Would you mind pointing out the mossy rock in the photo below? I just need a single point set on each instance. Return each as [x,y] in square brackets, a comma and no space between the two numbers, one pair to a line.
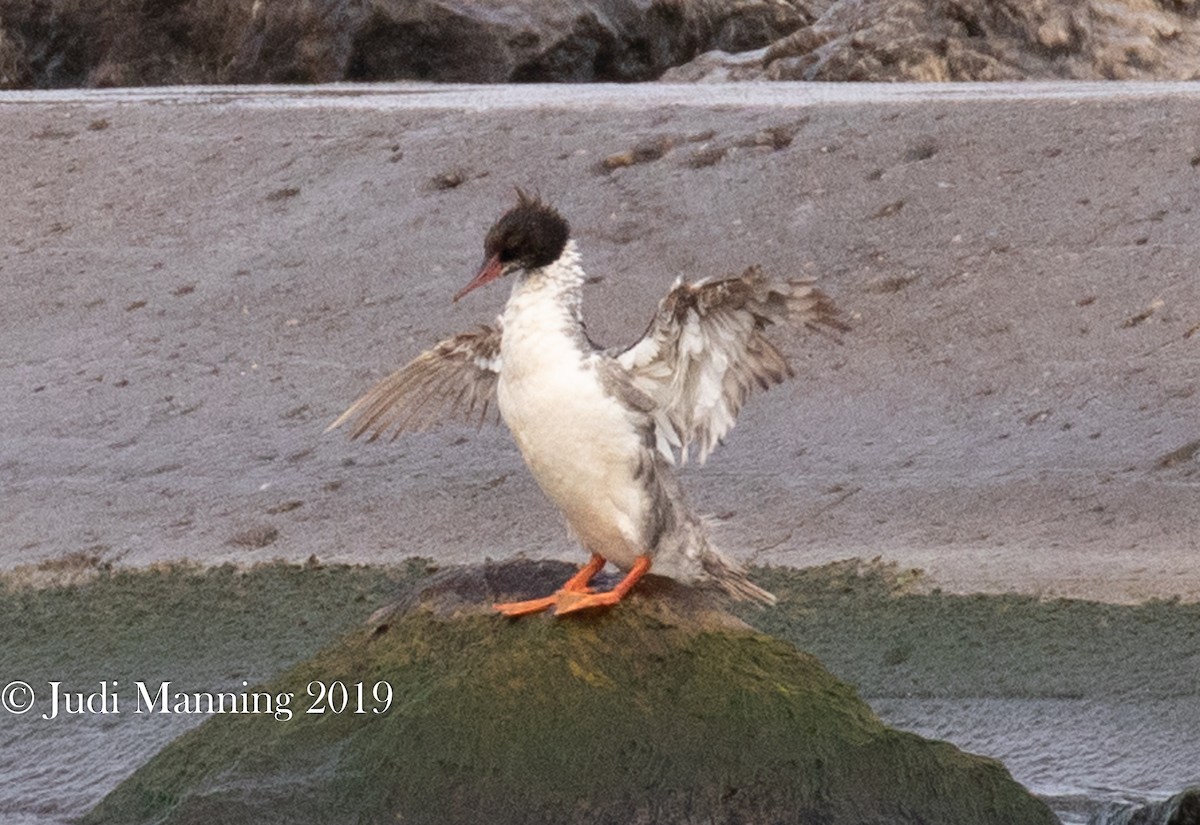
[663,709]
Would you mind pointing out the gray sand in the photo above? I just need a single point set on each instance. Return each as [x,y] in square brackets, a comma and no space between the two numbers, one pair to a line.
[196,282]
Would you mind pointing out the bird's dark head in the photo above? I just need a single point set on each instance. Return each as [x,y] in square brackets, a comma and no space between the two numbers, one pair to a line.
[530,235]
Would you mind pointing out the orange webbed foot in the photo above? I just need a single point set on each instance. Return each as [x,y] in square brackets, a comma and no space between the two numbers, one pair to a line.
[570,602]
[576,584]
[575,594]
[525,608]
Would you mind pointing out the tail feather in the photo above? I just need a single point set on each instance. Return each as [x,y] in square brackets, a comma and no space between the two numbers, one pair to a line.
[731,577]
[685,552]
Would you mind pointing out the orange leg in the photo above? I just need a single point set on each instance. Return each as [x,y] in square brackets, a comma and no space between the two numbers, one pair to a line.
[570,601]
[576,584]
[580,581]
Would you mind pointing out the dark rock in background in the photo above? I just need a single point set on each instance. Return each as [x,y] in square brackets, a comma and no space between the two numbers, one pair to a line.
[872,40]
[58,43]
[66,43]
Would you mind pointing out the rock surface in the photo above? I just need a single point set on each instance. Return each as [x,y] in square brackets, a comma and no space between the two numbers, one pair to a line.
[888,40]
[1181,809]
[60,44]
[665,709]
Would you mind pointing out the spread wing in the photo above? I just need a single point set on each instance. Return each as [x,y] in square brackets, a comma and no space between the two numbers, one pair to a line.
[706,349]
[455,378]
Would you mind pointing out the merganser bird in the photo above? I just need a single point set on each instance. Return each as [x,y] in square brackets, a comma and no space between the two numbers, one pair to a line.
[599,428]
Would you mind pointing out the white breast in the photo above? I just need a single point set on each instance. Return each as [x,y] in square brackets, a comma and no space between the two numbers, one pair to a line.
[580,443]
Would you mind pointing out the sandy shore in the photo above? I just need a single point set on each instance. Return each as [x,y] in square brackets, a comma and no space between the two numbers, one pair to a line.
[196,282]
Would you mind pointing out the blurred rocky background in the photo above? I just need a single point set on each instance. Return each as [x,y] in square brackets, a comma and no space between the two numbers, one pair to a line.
[96,43]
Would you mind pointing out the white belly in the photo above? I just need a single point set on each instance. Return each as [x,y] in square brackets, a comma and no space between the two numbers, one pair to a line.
[580,444]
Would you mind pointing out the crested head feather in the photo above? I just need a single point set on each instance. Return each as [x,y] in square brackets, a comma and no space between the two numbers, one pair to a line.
[530,235]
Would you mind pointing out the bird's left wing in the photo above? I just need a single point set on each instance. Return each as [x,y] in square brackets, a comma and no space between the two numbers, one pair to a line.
[457,378]
[706,349]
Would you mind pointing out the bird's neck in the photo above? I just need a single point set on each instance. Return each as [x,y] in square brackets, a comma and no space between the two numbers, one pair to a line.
[563,277]
[554,291]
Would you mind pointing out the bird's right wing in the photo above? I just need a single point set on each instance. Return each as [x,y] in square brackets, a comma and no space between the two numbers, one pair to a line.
[457,378]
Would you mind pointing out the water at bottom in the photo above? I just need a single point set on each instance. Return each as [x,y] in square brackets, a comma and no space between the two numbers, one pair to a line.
[55,771]
[1076,754]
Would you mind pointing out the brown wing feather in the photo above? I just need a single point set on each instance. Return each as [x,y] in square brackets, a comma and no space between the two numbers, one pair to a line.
[457,378]
[707,349]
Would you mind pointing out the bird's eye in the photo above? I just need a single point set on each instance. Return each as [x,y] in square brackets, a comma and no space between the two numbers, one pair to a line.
[508,249]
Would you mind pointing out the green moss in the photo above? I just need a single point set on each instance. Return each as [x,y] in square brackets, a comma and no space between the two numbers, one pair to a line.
[618,717]
[870,626]
[207,627]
